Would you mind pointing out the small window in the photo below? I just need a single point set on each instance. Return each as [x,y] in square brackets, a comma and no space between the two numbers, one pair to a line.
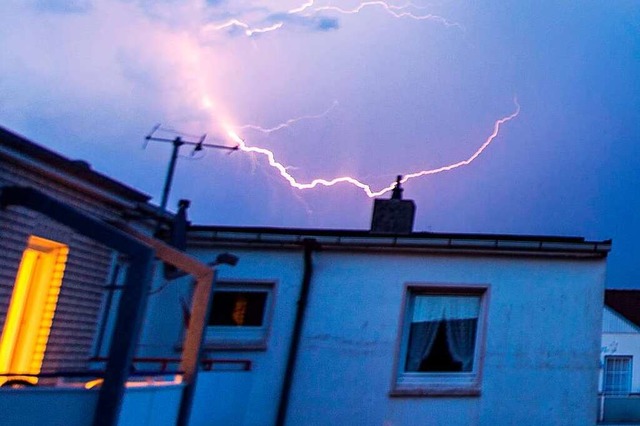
[240,316]
[617,375]
[440,341]
[238,308]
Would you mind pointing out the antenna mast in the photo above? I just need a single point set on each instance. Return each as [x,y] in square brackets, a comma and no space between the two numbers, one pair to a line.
[178,142]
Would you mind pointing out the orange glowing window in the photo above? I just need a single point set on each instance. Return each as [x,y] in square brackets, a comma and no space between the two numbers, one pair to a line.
[33,304]
[238,308]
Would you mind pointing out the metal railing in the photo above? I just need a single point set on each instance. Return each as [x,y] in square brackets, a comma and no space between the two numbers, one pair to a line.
[142,367]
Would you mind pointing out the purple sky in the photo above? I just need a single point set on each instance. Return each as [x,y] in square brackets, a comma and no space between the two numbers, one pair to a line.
[383,93]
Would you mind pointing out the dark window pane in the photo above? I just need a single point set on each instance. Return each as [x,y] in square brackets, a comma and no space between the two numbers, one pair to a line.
[451,349]
[238,308]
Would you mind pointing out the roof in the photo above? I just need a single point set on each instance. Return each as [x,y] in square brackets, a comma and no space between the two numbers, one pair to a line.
[625,303]
[74,168]
[416,241]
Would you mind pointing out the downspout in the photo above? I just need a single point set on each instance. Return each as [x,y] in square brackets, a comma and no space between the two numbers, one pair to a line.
[111,288]
[309,244]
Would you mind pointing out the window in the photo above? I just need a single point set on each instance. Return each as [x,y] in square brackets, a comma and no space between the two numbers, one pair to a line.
[32,306]
[240,315]
[238,308]
[617,375]
[440,342]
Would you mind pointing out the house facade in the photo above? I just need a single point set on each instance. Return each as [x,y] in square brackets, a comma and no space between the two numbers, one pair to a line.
[386,329]
[34,244]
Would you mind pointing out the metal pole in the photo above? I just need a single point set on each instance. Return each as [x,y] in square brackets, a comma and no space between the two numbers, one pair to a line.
[107,306]
[124,337]
[177,143]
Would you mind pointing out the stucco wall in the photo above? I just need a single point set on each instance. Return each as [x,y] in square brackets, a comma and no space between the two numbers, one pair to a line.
[541,345]
[540,359]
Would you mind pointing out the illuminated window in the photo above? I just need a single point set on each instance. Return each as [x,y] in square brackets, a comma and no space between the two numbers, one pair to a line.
[239,315]
[238,308]
[33,304]
[440,342]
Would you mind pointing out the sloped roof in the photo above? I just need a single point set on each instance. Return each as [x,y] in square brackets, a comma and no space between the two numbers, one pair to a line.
[75,168]
[625,303]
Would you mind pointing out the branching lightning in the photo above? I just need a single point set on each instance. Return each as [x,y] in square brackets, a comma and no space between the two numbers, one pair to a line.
[248,31]
[395,11]
[287,123]
[309,9]
[363,186]
[301,15]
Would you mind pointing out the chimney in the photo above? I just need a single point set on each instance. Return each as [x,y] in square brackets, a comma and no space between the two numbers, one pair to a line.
[178,236]
[393,216]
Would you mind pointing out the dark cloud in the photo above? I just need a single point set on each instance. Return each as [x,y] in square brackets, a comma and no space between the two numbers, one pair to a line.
[327,24]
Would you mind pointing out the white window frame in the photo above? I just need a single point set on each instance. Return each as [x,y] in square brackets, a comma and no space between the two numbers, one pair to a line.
[242,337]
[625,376]
[439,383]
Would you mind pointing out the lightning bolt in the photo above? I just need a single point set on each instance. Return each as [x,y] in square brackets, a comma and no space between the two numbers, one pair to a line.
[307,9]
[363,186]
[248,31]
[289,122]
[395,11]
[301,8]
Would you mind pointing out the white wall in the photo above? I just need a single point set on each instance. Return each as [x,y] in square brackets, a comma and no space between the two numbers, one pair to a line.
[259,390]
[542,342]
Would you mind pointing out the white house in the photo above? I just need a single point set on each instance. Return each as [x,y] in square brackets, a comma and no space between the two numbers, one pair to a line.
[382,326]
[396,329]
[619,384]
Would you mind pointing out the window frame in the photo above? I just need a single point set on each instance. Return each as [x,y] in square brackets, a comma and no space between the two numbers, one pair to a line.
[439,383]
[242,338]
[629,372]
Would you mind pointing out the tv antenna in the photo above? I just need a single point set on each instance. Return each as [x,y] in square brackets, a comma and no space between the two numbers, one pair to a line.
[178,141]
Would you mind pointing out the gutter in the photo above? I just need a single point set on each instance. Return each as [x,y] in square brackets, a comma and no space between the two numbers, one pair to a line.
[419,243]
[309,244]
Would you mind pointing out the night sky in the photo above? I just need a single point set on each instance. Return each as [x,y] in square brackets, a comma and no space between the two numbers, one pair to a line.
[367,89]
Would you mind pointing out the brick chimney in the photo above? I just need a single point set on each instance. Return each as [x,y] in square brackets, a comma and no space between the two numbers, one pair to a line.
[393,216]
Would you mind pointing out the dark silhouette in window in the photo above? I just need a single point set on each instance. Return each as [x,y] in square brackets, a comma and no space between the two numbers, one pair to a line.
[238,308]
[440,358]
[431,348]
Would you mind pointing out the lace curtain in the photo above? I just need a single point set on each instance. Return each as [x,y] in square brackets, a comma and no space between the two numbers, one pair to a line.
[460,314]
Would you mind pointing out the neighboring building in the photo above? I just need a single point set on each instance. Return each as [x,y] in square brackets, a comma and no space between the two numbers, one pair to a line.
[73,281]
[312,327]
[619,385]
[32,243]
